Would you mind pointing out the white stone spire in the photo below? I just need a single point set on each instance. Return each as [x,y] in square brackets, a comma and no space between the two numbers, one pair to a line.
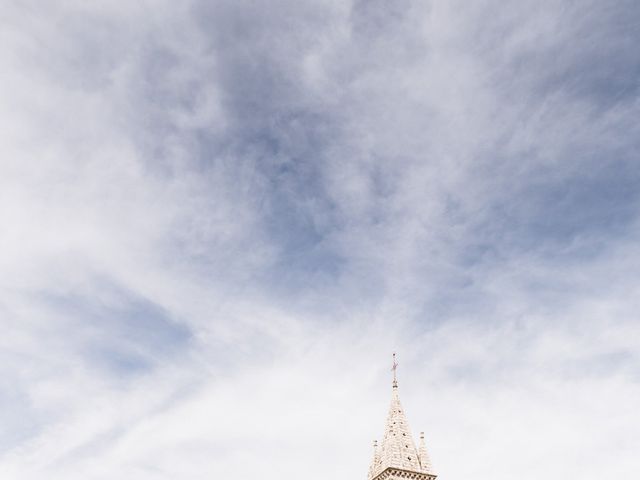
[376,458]
[397,453]
[423,456]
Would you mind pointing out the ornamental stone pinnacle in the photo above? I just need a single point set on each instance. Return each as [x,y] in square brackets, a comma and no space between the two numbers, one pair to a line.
[397,456]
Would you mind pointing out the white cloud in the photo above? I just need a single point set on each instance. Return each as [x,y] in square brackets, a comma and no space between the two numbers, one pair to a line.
[217,220]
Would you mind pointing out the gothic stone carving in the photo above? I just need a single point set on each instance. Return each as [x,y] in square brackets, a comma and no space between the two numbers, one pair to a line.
[396,474]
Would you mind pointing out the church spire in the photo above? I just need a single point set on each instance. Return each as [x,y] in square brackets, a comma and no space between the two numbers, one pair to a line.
[425,461]
[397,452]
[375,460]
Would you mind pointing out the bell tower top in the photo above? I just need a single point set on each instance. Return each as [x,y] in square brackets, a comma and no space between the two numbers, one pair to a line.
[397,457]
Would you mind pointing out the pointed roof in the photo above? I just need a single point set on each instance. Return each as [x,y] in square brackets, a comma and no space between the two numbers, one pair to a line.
[398,449]
[425,460]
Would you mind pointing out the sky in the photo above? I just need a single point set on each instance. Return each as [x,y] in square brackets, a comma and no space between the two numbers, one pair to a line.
[218,219]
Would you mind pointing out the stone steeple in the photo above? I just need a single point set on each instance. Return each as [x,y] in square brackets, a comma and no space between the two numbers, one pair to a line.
[397,456]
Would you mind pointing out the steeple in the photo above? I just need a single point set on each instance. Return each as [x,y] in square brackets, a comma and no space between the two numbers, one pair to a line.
[423,456]
[397,456]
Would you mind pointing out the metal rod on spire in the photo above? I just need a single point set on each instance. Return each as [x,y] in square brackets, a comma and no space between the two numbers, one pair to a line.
[394,368]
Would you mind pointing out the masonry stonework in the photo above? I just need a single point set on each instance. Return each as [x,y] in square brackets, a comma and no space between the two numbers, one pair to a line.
[397,457]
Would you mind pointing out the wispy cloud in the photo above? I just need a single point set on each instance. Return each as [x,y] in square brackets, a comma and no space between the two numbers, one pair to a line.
[219,218]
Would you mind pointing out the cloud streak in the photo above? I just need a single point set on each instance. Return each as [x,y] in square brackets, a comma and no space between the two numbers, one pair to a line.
[219,218]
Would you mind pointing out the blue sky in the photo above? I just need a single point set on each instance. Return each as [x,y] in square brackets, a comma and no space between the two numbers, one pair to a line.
[218,220]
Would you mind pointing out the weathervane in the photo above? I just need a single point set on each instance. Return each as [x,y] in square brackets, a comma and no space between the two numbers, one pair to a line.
[394,368]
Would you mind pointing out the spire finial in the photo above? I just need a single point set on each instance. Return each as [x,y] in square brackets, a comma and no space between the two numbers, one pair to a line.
[394,368]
